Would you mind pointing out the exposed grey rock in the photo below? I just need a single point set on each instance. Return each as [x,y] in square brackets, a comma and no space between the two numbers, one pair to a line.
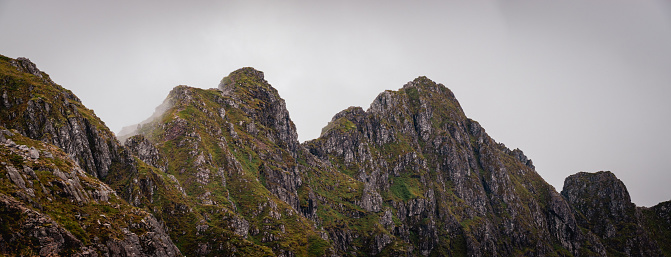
[33,153]
[156,241]
[452,154]
[47,154]
[25,65]
[240,226]
[146,151]
[15,177]
[425,179]
[3,140]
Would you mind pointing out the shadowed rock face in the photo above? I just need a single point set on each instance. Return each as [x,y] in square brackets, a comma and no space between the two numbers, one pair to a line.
[222,173]
[602,204]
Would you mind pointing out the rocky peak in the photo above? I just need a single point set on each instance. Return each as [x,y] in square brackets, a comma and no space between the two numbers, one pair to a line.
[25,65]
[51,207]
[223,170]
[604,207]
[349,113]
[595,191]
[254,95]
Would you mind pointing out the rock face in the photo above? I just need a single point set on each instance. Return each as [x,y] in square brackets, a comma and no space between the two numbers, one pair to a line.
[602,203]
[220,172]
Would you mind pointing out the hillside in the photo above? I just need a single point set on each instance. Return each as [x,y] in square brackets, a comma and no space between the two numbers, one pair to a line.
[220,172]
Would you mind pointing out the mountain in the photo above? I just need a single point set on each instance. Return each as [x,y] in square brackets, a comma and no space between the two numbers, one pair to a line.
[453,189]
[220,172]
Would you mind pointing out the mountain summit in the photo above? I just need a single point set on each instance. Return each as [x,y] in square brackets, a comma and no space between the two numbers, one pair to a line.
[258,99]
[220,172]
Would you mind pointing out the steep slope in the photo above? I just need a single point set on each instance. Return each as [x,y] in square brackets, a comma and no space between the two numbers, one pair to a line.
[50,206]
[449,187]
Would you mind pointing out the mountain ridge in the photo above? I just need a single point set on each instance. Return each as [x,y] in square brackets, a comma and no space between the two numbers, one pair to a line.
[411,175]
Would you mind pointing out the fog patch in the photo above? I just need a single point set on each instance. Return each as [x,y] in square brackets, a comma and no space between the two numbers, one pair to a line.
[132,130]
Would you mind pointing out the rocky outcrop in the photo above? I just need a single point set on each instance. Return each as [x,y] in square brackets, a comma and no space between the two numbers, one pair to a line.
[142,148]
[602,204]
[412,175]
[29,232]
[64,208]
[250,91]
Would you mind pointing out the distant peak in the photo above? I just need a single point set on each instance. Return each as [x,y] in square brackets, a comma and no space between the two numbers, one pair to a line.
[419,82]
[249,72]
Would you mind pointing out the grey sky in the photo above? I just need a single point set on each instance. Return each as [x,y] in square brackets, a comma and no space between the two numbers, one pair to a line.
[577,85]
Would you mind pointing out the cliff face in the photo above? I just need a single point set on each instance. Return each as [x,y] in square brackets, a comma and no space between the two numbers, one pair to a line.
[220,172]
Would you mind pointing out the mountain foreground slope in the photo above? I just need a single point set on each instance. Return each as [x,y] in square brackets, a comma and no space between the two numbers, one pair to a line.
[220,172]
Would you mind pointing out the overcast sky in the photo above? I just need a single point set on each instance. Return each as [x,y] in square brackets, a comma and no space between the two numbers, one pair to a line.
[577,85]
